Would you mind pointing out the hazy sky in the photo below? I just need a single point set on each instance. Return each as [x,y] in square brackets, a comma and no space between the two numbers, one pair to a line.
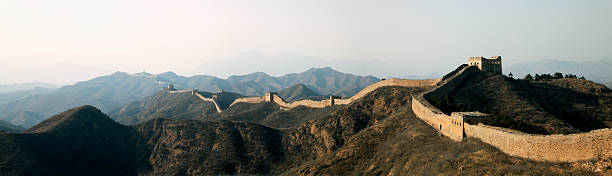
[63,41]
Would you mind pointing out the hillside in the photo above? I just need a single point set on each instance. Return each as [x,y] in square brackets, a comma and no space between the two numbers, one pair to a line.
[209,147]
[176,106]
[609,84]
[296,92]
[379,135]
[9,127]
[559,106]
[270,114]
[376,135]
[163,105]
[80,141]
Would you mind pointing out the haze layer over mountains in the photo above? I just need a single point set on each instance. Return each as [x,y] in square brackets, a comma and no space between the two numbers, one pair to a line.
[112,91]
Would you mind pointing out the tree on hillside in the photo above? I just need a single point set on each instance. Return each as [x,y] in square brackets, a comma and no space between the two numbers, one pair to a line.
[571,76]
[558,75]
[537,77]
[528,77]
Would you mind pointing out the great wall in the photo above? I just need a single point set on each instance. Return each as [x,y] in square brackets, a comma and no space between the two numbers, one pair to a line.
[555,148]
[335,100]
[196,93]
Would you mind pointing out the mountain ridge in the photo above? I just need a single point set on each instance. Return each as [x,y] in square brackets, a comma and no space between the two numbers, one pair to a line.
[296,92]
[110,92]
[5,88]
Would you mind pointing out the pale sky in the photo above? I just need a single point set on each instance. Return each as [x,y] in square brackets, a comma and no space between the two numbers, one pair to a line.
[64,41]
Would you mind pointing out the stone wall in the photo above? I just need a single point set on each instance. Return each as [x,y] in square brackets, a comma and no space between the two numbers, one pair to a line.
[556,148]
[210,100]
[195,92]
[258,99]
[388,82]
[451,126]
[328,102]
[308,103]
[180,91]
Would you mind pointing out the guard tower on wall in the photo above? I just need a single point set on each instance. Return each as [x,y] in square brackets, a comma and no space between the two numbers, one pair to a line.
[491,64]
[170,87]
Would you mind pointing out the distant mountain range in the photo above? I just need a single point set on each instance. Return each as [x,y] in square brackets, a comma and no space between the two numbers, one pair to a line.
[596,70]
[107,92]
[20,94]
[112,91]
[323,80]
[280,64]
[296,92]
[26,86]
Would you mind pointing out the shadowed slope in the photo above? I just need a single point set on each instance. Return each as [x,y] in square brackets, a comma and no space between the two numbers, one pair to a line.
[210,147]
[80,141]
[295,92]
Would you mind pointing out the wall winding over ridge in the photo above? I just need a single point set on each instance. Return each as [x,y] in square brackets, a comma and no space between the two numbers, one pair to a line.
[451,126]
[327,102]
[210,100]
[557,148]
[249,100]
[308,103]
[195,92]
[388,82]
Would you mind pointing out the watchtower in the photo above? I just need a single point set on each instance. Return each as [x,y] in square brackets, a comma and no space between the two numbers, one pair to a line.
[269,96]
[491,64]
[332,100]
[170,87]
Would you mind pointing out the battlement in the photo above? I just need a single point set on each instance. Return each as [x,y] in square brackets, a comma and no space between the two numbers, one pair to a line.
[332,99]
[492,64]
[169,88]
[472,117]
